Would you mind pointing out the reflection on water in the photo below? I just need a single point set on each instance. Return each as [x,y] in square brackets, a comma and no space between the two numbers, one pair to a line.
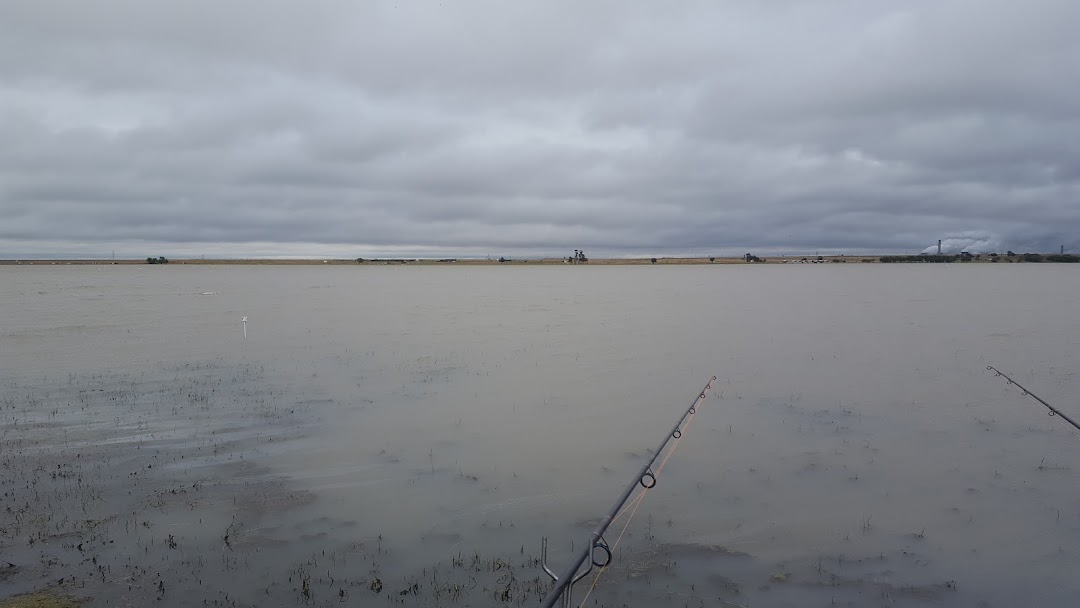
[422,428]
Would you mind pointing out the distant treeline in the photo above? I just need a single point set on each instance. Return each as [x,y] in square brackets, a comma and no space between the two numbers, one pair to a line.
[1061,258]
[1066,258]
[925,259]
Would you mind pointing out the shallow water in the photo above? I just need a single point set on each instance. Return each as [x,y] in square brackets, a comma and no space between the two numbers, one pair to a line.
[425,426]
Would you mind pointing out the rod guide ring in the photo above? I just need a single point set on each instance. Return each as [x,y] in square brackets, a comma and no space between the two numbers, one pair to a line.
[651,480]
[607,553]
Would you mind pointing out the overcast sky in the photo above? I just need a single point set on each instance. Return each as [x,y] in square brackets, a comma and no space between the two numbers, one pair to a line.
[323,128]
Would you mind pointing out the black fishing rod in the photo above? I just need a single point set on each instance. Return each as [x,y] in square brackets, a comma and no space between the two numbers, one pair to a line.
[1053,410]
[647,478]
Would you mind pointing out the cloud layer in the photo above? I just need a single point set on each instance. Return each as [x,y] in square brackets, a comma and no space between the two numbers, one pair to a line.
[259,127]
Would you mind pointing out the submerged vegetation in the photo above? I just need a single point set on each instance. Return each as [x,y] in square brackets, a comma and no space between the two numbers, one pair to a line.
[132,489]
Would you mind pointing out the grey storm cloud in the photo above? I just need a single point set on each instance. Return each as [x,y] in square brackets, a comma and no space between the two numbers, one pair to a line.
[347,128]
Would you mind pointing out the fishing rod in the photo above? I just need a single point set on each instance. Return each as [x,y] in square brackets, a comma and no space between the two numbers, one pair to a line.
[646,477]
[1053,410]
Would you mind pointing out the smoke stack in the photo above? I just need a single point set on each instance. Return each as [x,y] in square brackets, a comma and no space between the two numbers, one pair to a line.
[939,246]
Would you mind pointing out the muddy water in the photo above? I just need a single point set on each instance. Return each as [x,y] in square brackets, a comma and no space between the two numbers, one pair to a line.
[406,435]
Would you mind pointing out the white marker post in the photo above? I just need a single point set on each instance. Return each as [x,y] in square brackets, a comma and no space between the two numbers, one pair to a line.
[244,321]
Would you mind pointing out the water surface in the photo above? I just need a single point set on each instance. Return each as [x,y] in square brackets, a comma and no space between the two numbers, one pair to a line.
[425,426]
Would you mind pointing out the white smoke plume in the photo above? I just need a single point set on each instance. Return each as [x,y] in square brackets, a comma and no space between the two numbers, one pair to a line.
[971,242]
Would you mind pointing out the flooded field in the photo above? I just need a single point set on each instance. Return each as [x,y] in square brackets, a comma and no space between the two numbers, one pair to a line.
[404,436]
